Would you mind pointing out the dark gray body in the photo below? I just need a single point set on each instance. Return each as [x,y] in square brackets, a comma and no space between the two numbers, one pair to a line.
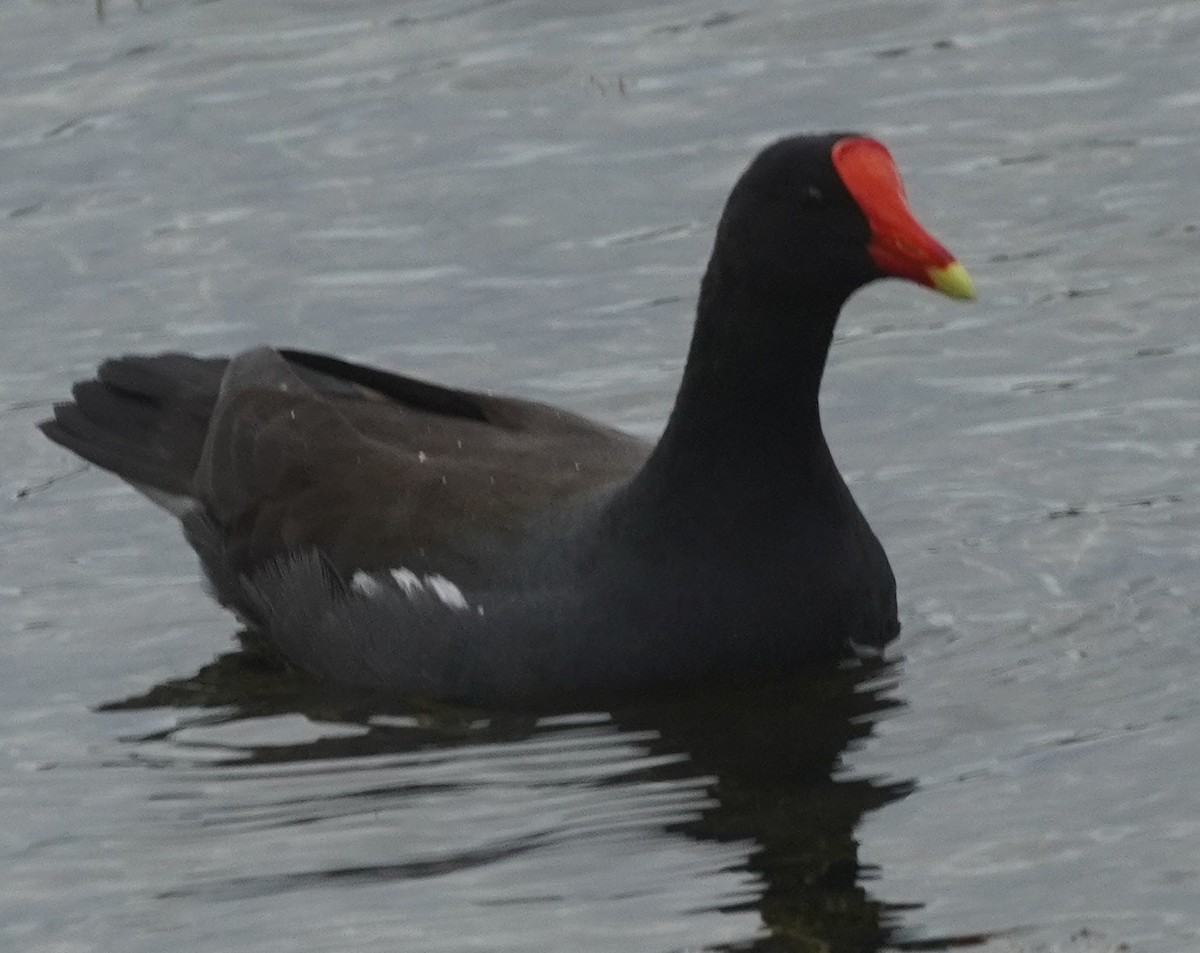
[392,534]
[393,546]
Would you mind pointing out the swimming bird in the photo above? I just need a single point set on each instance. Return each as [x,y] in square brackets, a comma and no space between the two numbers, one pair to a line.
[386,533]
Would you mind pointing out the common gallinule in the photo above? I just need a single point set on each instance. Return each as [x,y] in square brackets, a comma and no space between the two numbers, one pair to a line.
[388,533]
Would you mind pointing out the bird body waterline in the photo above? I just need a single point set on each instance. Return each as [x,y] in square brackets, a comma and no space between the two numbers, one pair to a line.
[391,534]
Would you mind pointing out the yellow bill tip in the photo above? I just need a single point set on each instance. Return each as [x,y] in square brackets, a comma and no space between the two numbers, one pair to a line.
[952,280]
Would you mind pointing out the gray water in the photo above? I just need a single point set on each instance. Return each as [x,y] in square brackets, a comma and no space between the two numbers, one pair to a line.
[520,195]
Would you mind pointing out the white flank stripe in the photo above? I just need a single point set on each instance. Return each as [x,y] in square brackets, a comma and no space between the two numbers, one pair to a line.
[407,580]
[447,591]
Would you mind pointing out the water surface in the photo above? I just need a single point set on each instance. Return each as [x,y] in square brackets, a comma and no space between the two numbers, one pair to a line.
[520,195]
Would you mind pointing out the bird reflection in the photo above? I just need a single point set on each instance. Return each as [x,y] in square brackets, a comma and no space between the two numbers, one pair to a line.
[776,754]
[771,758]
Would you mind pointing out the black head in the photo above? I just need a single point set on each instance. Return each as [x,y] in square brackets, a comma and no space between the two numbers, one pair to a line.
[819,216]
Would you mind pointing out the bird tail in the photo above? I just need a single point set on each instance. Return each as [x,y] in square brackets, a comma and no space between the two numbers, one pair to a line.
[144,419]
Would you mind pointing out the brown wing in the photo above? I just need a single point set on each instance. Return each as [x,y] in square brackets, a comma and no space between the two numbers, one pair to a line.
[383,470]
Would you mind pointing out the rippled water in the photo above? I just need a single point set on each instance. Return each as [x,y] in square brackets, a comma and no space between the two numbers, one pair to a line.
[520,195]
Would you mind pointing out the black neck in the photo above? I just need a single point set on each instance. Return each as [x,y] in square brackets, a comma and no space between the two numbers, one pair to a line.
[746,420]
